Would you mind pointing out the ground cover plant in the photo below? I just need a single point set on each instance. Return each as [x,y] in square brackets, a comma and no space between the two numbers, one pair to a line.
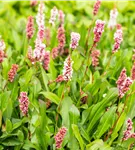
[67,72]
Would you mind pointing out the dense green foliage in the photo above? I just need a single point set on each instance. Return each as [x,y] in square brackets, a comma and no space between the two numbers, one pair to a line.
[96,124]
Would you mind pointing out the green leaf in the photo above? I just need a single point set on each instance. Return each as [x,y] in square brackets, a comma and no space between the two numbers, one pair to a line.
[74,114]
[106,122]
[25,79]
[78,136]
[6,67]
[99,108]
[8,112]
[98,145]
[4,98]
[117,127]
[11,142]
[64,110]
[8,125]
[0,118]
[20,135]
[84,134]
[45,78]
[51,96]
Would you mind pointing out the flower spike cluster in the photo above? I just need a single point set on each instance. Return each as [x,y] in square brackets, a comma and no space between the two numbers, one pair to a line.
[123,83]
[75,37]
[30,27]
[12,72]
[96,7]
[54,13]
[59,137]
[24,103]
[39,46]
[128,134]
[113,16]
[98,30]
[118,37]
[95,57]
[40,19]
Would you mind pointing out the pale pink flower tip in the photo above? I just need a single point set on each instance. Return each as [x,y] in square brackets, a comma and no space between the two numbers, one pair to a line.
[2,45]
[95,57]
[75,37]
[30,27]
[61,16]
[123,83]
[96,7]
[46,60]
[12,72]
[98,30]
[30,55]
[113,16]
[40,21]
[67,70]
[118,37]
[33,2]
[24,103]
[59,137]
[54,13]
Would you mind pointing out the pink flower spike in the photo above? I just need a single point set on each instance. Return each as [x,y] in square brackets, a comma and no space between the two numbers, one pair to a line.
[75,37]
[61,38]
[95,58]
[96,7]
[127,133]
[113,16]
[46,60]
[24,103]
[98,30]
[2,56]
[55,52]
[30,27]
[123,83]
[133,72]
[12,72]
[59,137]
[118,37]
[54,13]
[67,70]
